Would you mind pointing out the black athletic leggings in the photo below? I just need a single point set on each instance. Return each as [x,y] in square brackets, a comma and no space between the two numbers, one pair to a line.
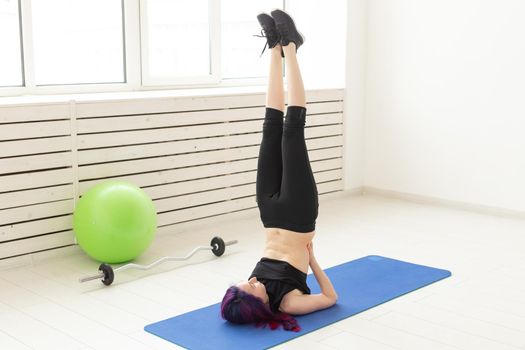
[286,190]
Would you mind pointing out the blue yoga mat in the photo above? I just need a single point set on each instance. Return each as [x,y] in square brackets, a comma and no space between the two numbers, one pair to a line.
[361,284]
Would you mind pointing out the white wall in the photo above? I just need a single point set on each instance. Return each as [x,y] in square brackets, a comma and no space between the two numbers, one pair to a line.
[354,110]
[445,93]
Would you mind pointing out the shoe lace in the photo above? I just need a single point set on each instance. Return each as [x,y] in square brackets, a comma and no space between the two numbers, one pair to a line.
[264,35]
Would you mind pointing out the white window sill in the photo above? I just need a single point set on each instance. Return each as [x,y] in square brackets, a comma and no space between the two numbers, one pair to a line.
[129,95]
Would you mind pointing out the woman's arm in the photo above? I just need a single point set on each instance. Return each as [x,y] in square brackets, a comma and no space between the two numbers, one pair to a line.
[299,304]
[327,288]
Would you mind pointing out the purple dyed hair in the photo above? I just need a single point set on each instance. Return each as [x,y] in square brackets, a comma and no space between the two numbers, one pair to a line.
[241,307]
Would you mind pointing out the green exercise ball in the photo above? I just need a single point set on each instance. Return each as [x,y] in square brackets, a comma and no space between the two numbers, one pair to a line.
[115,221]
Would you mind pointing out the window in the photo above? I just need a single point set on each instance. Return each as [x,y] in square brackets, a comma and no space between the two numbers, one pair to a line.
[66,46]
[176,43]
[11,56]
[78,41]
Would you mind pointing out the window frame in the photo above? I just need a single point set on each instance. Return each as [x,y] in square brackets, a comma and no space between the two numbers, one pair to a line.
[134,24]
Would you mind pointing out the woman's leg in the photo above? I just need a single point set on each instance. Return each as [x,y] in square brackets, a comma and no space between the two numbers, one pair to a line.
[269,166]
[296,94]
[275,93]
[298,189]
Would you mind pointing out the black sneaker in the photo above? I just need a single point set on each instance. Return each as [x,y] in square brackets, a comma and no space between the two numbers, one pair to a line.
[286,28]
[270,31]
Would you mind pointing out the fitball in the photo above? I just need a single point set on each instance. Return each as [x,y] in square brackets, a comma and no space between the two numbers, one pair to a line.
[115,222]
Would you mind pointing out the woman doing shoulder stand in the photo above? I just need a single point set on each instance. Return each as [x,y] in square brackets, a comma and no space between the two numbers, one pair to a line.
[287,198]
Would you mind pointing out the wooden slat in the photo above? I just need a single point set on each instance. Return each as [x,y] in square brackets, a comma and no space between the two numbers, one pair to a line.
[184,174]
[200,198]
[331,186]
[25,147]
[164,105]
[151,121]
[36,179]
[156,135]
[205,210]
[190,103]
[326,164]
[36,211]
[36,227]
[37,162]
[129,167]
[328,130]
[198,185]
[329,175]
[35,196]
[183,215]
[33,112]
[185,146]
[323,142]
[327,188]
[222,194]
[323,119]
[185,132]
[33,130]
[323,107]
[177,161]
[35,244]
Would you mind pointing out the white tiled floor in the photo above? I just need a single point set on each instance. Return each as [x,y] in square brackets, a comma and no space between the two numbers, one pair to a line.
[482,306]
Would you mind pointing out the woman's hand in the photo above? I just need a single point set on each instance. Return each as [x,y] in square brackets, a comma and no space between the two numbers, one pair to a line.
[328,294]
[310,247]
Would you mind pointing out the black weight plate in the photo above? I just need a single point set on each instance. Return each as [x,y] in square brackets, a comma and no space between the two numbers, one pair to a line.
[218,246]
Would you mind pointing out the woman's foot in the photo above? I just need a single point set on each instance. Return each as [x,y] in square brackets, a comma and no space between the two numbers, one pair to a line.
[287,30]
[270,31]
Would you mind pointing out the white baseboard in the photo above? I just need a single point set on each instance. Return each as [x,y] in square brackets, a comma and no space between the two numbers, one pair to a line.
[472,207]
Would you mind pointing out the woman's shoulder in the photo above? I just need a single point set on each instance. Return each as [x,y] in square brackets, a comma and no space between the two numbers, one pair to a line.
[288,296]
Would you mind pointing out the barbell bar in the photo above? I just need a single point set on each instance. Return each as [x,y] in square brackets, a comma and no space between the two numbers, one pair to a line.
[107,273]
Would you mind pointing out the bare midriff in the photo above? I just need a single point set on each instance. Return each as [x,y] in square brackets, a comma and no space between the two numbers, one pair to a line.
[290,246]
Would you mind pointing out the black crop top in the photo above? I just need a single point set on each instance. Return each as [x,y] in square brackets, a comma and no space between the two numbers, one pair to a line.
[279,277]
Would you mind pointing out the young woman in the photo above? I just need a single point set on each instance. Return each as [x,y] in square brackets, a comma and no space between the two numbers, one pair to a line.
[287,198]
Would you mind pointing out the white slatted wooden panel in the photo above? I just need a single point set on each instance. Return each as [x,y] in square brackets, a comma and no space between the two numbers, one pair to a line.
[36,162]
[195,156]
[130,137]
[36,244]
[36,178]
[184,174]
[169,162]
[33,196]
[27,180]
[36,112]
[35,146]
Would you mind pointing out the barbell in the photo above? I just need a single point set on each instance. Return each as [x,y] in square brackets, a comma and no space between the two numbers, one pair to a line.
[107,273]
